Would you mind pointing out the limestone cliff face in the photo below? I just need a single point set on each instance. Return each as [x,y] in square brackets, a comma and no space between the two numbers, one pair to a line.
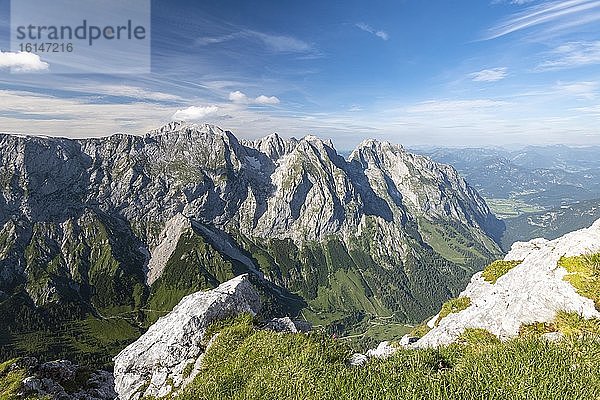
[533,291]
[169,354]
[138,222]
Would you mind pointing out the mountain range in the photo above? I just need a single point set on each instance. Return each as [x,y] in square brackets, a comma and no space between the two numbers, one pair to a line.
[100,237]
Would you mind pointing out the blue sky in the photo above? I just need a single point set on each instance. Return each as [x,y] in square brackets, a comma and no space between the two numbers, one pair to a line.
[416,72]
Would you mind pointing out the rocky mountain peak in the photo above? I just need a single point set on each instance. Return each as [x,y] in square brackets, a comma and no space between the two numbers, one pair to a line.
[186,127]
[273,146]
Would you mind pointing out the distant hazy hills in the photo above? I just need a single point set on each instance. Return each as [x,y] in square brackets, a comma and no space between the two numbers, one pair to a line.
[538,190]
[547,176]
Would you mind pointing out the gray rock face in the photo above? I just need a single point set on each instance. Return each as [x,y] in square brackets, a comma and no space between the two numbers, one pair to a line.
[533,291]
[49,380]
[170,351]
[299,189]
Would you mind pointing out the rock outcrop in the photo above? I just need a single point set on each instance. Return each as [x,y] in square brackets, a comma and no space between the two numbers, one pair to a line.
[170,352]
[63,380]
[532,291]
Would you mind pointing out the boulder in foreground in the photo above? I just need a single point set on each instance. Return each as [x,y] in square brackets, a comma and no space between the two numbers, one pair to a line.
[168,355]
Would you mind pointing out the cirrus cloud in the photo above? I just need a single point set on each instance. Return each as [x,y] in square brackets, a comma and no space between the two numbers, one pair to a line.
[367,28]
[549,16]
[489,75]
[572,55]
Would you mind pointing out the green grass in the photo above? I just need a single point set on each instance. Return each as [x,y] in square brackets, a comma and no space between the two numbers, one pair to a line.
[346,291]
[453,306]
[478,337]
[570,323]
[495,270]
[536,329]
[510,208]
[245,363]
[452,244]
[567,323]
[10,381]
[420,330]
[90,342]
[584,275]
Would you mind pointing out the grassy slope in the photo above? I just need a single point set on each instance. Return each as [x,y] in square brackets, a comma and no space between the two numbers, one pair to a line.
[584,275]
[495,270]
[248,364]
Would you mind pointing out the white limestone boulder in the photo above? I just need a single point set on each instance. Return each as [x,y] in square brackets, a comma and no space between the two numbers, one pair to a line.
[533,291]
[161,359]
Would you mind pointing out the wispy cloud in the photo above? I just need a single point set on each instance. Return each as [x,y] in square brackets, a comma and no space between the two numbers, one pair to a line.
[582,90]
[517,2]
[367,28]
[129,91]
[241,98]
[555,14]
[489,75]
[75,117]
[572,55]
[453,106]
[275,43]
[22,62]
[195,113]
[593,110]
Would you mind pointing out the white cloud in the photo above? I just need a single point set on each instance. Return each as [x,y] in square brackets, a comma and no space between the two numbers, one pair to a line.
[367,28]
[275,43]
[489,75]
[572,55]
[582,90]
[283,44]
[443,121]
[453,106]
[33,113]
[516,2]
[547,14]
[195,113]
[593,110]
[238,97]
[133,92]
[262,99]
[241,98]
[22,62]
